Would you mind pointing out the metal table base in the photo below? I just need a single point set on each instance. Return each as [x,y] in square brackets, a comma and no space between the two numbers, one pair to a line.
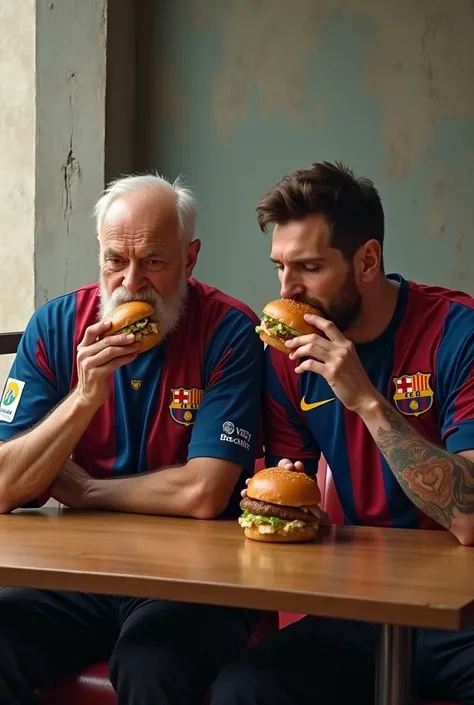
[394,681]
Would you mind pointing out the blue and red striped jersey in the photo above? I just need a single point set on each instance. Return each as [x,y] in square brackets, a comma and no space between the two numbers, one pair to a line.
[196,394]
[422,363]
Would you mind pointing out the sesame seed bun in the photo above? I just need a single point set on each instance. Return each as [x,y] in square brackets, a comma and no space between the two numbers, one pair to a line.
[284,487]
[290,313]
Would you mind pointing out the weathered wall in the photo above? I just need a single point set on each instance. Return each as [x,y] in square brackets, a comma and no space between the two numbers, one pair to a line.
[70,139]
[243,91]
[17,165]
[52,146]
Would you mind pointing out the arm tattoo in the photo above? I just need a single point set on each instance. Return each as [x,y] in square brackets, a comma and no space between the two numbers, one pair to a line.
[441,484]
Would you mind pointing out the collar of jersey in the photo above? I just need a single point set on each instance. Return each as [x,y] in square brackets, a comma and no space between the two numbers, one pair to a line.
[399,312]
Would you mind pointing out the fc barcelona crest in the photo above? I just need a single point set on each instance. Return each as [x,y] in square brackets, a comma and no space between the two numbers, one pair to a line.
[184,405]
[413,395]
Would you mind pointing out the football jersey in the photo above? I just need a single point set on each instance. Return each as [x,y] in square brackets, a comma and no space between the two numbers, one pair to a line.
[422,364]
[196,394]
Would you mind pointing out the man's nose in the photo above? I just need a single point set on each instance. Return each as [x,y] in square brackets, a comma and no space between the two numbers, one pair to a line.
[290,286]
[133,279]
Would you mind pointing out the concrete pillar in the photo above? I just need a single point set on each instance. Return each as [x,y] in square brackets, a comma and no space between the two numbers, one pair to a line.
[71,37]
[17,165]
[67,116]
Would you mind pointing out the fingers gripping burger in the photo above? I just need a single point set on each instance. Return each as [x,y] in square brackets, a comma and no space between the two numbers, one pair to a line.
[134,317]
[280,506]
[282,320]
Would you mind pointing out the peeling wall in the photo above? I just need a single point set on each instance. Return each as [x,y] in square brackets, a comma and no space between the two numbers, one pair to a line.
[244,91]
[17,166]
[70,138]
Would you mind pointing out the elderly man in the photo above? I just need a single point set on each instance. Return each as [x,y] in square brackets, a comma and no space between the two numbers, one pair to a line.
[87,420]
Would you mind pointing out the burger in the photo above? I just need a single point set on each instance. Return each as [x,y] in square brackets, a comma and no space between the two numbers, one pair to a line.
[282,320]
[135,317]
[280,506]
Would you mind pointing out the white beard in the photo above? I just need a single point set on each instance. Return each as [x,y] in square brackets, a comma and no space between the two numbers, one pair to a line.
[168,311]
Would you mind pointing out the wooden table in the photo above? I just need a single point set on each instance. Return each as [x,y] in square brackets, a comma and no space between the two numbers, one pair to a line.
[395,577]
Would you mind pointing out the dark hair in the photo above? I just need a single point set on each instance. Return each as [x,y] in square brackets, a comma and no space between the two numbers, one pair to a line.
[351,205]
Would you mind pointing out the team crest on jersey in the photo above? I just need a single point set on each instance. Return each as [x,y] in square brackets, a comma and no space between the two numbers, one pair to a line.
[413,394]
[184,405]
[135,384]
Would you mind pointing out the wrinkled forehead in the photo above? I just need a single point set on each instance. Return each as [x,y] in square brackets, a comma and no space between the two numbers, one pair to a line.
[141,221]
[301,240]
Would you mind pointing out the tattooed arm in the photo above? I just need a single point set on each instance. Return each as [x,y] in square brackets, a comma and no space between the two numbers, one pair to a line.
[441,484]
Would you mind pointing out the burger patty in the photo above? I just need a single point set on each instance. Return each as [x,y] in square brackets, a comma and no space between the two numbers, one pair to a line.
[254,506]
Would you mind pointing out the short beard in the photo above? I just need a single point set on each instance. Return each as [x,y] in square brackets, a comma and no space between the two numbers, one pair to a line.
[344,309]
[167,312]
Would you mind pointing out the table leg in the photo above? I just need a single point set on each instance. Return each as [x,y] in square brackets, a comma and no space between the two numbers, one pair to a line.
[393,684]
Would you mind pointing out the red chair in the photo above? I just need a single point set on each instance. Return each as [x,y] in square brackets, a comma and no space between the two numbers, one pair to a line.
[331,504]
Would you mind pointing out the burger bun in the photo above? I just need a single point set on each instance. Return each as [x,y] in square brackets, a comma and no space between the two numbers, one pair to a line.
[285,487]
[126,315]
[292,314]
[297,535]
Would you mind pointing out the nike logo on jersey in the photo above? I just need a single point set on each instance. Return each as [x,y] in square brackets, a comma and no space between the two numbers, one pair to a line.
[314,405]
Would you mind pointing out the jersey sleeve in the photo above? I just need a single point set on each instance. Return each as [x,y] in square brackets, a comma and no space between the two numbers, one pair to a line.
[455,380]
[30,391]
[228,423]
[286,434]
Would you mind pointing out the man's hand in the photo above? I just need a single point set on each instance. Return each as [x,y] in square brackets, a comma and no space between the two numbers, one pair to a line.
[72,486]
[335,359]
[296,467]
[98,359]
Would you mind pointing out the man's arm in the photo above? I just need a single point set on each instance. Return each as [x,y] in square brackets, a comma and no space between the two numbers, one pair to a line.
[31,459]
[200,489]
[224,440]
[437,481]
[440,483]
[29,462]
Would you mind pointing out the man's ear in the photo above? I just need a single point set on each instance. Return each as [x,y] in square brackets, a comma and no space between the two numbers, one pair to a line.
[369,261]
[192,253]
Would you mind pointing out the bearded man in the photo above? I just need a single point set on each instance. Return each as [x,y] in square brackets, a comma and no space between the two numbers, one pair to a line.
[97,424]
[383,389]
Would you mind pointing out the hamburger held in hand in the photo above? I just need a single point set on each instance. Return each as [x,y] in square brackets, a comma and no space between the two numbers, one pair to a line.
[282,320]
[135,317]
[280,506]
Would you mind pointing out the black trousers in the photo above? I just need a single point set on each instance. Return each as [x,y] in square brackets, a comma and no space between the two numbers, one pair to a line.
[332,662]
[159,653]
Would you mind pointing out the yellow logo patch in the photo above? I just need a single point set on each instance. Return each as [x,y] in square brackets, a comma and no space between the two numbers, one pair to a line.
[314,405]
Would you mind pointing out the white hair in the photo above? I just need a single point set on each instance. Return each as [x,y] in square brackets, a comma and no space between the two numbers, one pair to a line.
[185,200]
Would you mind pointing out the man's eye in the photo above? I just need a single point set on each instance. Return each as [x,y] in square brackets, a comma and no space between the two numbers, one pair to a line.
[311,267]
[154,263]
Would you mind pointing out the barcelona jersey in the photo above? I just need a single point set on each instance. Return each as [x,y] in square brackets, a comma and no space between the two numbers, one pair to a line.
[196,394]
[422,364]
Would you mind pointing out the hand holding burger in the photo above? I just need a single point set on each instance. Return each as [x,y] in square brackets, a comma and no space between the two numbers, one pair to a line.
[283,320]
[111,344]
[134,317]
[280,506]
